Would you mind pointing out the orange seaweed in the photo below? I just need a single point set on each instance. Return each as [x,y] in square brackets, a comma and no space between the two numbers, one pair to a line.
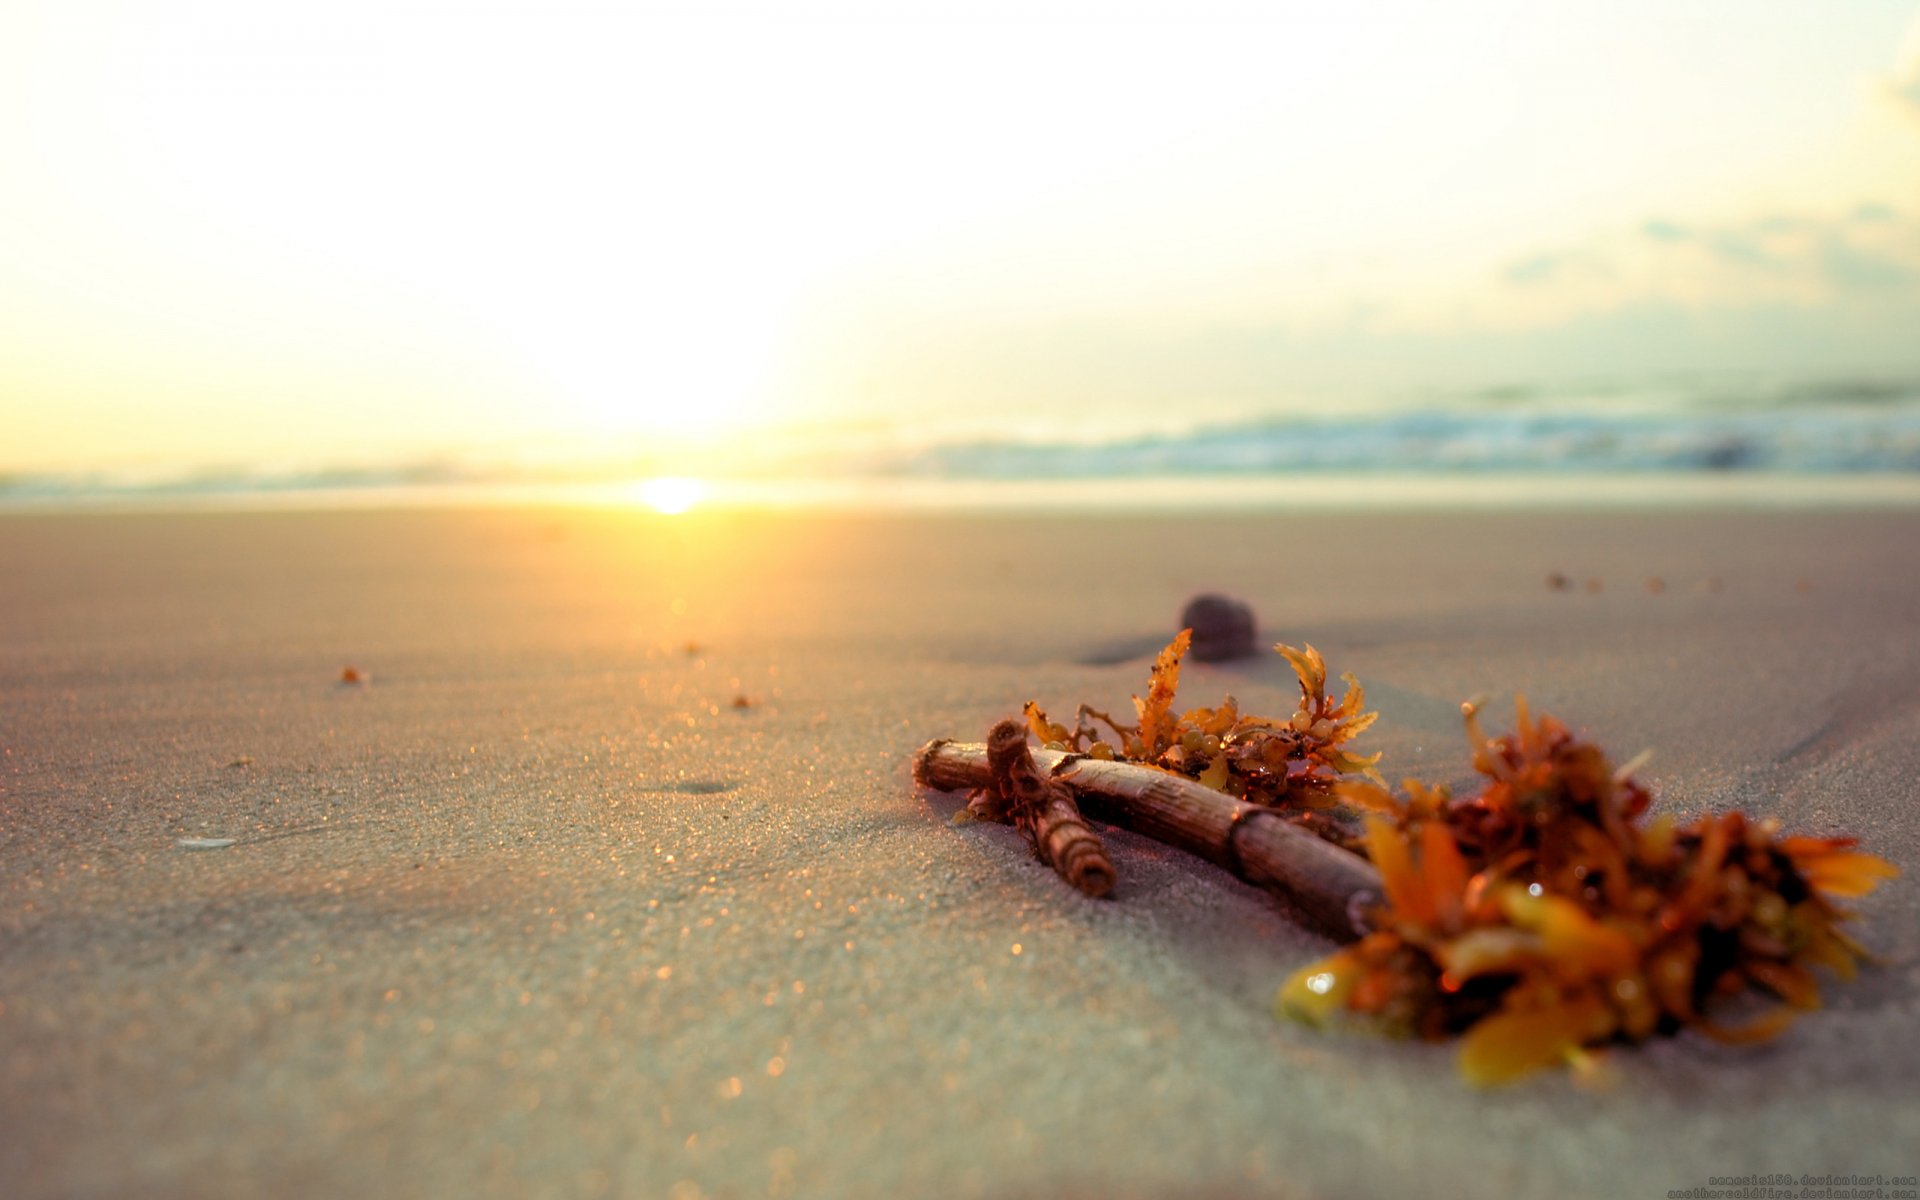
[1296,763]
[1543,916]
[1546,915]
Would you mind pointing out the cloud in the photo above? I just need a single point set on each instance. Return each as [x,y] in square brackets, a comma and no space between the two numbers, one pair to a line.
[1907,92]
[1902,86]
[1854,270]
[1536,268]
[1795,258]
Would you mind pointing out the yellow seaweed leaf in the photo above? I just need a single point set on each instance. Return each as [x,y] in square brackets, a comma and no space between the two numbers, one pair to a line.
[1847,874]
[1353,764]
[1795,985]
[1043,729]
[1357,725]
[1156,711]
[1568,934]
[1216,773]
[1822,947]
[1511,1043]
[1486,951]
[1308,665]
[1445,871]
[1406,897]
[1317,991]
[1365,794]
[1355,699]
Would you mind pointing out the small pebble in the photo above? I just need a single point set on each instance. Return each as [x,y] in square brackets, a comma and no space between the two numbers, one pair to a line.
[1222,627]
[199,843]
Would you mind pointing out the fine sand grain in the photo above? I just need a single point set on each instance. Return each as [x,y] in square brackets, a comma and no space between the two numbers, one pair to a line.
[537,908]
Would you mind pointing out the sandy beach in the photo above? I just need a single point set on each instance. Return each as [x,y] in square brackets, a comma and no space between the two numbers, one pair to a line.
[611,880]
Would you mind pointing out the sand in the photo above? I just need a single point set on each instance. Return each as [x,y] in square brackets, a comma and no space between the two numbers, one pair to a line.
[538,911]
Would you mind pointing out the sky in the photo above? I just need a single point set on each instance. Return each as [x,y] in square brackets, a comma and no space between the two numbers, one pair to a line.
[243,231]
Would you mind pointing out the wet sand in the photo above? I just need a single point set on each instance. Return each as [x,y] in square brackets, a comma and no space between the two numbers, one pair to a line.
[537,910]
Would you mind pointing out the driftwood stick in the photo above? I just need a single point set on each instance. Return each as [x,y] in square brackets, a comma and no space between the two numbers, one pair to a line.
[1332,889]
[1045,811]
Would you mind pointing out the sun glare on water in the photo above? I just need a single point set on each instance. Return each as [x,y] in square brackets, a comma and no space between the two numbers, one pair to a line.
[671,495]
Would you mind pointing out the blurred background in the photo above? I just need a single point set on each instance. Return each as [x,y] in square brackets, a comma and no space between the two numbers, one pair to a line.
[692,251]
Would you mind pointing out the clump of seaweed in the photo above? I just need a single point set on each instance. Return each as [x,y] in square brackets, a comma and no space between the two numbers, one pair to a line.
[1544,916]
[1540,919]
[1294,761]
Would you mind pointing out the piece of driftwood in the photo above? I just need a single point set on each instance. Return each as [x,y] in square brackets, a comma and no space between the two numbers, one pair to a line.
[1333,890]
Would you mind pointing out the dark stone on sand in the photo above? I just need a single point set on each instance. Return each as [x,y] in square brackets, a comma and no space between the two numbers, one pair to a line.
[1222,627]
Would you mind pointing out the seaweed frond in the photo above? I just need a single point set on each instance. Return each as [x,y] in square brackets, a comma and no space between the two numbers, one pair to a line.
[1300,761]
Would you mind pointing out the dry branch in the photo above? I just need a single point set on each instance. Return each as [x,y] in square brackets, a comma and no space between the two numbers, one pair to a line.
[1331,888]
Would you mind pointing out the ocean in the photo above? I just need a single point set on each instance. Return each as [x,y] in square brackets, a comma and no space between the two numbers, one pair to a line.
[1801,441]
